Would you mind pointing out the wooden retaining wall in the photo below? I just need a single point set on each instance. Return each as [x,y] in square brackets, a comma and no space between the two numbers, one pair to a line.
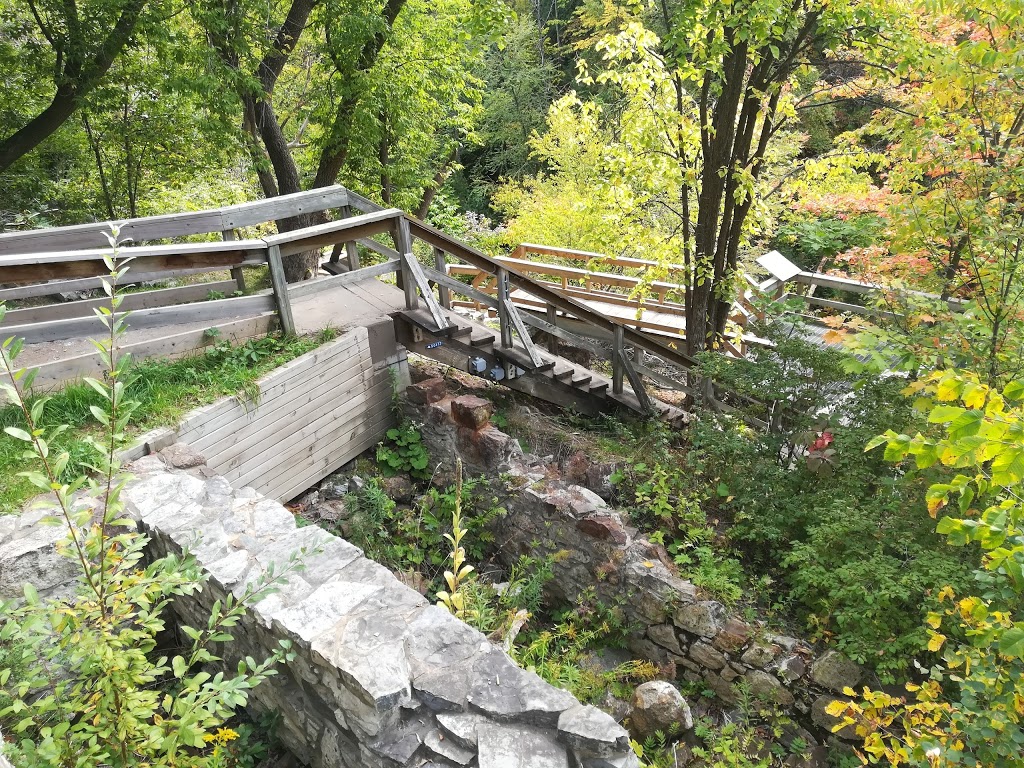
[312,415]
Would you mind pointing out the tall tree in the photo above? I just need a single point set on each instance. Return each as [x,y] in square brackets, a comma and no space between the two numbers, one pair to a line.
[75,43]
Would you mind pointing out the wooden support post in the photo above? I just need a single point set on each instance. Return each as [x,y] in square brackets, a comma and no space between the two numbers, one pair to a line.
[552,314]
[443,293]
[617,360]
[504,321]
[236,272]
[351,249]
[403,243]
[277,279]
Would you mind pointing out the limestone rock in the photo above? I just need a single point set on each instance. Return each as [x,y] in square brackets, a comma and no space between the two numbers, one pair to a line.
[510,746]
[591,732]
[461,727]
[603,526]
[437,745]
[767,687]
[182,456]
[733,635]
[792,668]
[471,411]
[835,672]
[399,488]
[704,618]
[334,488]
[759,655]
[665,636]
[658,706]
[706,656]
[503,691]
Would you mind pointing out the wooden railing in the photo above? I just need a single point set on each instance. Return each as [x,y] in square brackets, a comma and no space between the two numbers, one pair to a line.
[435,289]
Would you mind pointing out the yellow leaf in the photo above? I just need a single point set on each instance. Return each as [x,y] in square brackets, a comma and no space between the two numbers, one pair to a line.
[934,620]
[936,642]
[837,708]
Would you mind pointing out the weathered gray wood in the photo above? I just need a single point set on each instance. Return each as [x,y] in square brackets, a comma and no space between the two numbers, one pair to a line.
[617,356]
[284,206]
[268,437]
[314,448]
[322,284]
[299,447]
[202,425]
[93,235]
[332,232]
[173,346]
[555,332]
[552,319]
[161,297]
[291,406]
[280,283]
[512,314]
[442,292]
[364,204]
[228,235]
[639,391]
[378,247]
[403,243]
[350,246]
[206,311]
[414,269]
[359,438]
[842,306]
[460,288]
[504,303]
[93,283]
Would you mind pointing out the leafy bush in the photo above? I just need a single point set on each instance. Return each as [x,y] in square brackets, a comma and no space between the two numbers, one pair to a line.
[81,681]
[808,241]
[404,451]
[840,529]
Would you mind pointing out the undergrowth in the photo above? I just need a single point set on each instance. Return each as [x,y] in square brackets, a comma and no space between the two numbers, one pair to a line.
[165,390]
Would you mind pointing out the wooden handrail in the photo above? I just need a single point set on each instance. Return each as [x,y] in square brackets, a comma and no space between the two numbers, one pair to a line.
[215,220]
[574,255]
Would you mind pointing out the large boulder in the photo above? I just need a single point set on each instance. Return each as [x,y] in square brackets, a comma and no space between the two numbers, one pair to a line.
[658,706]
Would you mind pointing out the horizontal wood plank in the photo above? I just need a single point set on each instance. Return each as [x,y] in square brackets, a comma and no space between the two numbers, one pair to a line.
[131,301]
[202,423]
[292,410]
[206,311]
[52,375]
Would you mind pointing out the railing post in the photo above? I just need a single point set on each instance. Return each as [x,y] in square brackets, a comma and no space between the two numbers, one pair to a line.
[277,279]
[403,243]
[236,272]
[443,294]
[351,249]
[552,314]
[618,352]
[504,322]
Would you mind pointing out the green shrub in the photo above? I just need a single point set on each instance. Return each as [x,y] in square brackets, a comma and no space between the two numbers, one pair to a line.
[82,682]
[403,451]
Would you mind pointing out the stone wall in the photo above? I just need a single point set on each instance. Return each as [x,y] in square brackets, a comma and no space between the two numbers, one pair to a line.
[693,637]
[381,678]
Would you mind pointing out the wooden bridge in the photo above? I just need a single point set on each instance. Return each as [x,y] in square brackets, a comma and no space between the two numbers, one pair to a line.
[402,298]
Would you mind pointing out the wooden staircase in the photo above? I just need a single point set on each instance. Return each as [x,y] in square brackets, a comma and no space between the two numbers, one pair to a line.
[471,345]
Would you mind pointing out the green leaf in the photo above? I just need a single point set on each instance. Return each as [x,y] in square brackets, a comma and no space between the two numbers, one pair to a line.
[1012,642]
[943,413]
[179,667]
[18,434]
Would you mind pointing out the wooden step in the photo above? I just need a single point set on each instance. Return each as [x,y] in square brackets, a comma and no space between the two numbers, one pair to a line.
[564,374]
[581,380]
[599,389]
[462,330]
[482,340]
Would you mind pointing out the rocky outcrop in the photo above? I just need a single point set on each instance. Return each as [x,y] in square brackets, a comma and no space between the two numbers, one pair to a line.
[380,677]
[689,635]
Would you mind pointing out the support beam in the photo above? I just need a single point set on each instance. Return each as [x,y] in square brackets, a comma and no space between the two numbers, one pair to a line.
[236,272]
[277,279]
[617,357]
[350,246]
[504,302]
[442,292]
[552,315]
[403,244]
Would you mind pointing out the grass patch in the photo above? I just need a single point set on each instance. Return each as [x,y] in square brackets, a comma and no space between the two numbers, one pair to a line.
[166,390]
